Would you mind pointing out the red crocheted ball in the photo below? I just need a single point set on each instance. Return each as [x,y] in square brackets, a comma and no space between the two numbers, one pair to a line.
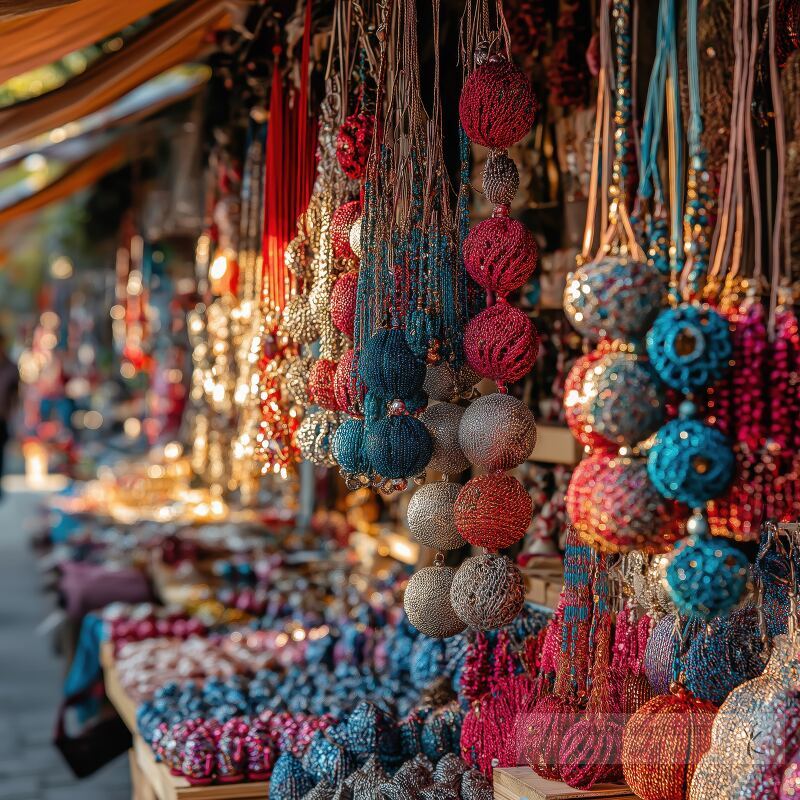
[349,391]
[493,511]
[342,220]
[353,143]
[343,302]
[501,343]
[662,744]
[591,752]
[575,411]
[500,254]
[581,484]
[320,384]
[497,105]
[548,723]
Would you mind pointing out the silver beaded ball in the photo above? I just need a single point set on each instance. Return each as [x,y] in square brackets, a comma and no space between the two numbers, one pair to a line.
[297,379]
[442,421]
[427,602]
[444,383]
[500,178]
[488,591]
[355,238]
[299,321]
[430,516]
[497,432]
[315,436]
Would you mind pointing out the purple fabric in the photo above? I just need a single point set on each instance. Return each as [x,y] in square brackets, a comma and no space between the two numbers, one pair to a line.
[89,587]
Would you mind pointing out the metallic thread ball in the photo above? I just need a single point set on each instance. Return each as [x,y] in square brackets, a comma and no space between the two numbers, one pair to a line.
[297,379]
[488,591]
[493,511]
[581,484]
[347,387]
[626,512]
[430,516]
[299,321]
[321,383]
[497,432]
[355,238]
[314,437]
[614,298]
[707,576]
[500,178]
[690,346]
[427,602]
[659,655]
[443,382]
[623,402]
[343,302]
[348,447]
[442,421]
[575,405]
[398,446]
[388,366]
[691,462]
[341,222]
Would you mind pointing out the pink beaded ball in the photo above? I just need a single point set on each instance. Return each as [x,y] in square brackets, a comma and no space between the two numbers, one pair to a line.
[348,390]
[343,302]
[342,220]
[320,384]
[500,254]
[501,343]
[497,105]
[581,484]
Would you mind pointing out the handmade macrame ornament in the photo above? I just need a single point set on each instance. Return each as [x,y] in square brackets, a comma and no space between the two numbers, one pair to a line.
[431,516]
[488,591]
[442,421]
[427,602]
[343,302]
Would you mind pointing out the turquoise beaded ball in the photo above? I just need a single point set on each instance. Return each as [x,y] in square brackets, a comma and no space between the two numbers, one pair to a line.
[690,462]
[706,576]
[398,446]
[348,447]
[690,346]
[388,366]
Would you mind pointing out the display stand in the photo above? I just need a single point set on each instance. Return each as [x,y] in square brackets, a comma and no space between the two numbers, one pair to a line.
[522,783]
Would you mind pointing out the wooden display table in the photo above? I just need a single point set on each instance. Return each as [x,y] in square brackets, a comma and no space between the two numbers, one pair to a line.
[151,780]
[522,783]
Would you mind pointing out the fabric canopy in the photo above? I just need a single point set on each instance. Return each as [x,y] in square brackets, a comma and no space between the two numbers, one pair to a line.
[178,39]
[48,34]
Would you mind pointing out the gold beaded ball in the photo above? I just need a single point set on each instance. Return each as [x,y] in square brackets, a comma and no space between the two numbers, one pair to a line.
[497,432]
[488,591]
[430,516]
[427,602]
[297,379]
[442,421]
[299,322]
[314,437]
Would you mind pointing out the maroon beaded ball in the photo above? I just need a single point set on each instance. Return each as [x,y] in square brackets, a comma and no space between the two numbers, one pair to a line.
[493,511]
[343,302]
[497,106]
[349,391]
[353,143]
[320,384]
[500,254]
[342,220]
[501,343]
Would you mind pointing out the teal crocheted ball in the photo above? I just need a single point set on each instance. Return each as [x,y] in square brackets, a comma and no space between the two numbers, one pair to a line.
[398,446]
[348,447]
[388,366]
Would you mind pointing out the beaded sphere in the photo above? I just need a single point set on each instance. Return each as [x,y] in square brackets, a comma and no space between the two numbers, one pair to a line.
[297,257]
[497,105]
[444,383]
[442,421]
[348,389]
[297,379]
[342,220]
[431,518]
[493,511]
[299,321]
[497,432]
[625,512]
[398,446]
[389,367]
[615,298]
[790,785]
[500,254]
[690,346]
[662,744]
[576,407]
[690,462]
[706,576]
[581,483]
[355,238]
[348,447]
[353,143]
[488,591]
[591,752]
[623,401]
[659,655]
[314,437]
[343,302]
[427,602]
[320,384]
[501,343]
[548,723]
[500,179]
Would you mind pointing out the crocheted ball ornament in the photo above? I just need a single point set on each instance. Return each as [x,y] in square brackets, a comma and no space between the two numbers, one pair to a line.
[662,744]
[575,401]
[321,384]
[591,752]
[500,254]
[442,421]
[500,178]
[615,298]
[427,602]
[493,511]
[501,343]
[398,446]
[497,432]
[348,447]
[497,106]
[488,591]
[389,368]
[548,724]
[343,302]
[431,516]
[353,144]
[349,391]
[635,691]
[690,347]
[691,462]
[299,321]
[342,220]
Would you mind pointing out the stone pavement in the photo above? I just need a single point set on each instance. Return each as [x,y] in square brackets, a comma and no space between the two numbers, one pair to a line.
[30,681]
